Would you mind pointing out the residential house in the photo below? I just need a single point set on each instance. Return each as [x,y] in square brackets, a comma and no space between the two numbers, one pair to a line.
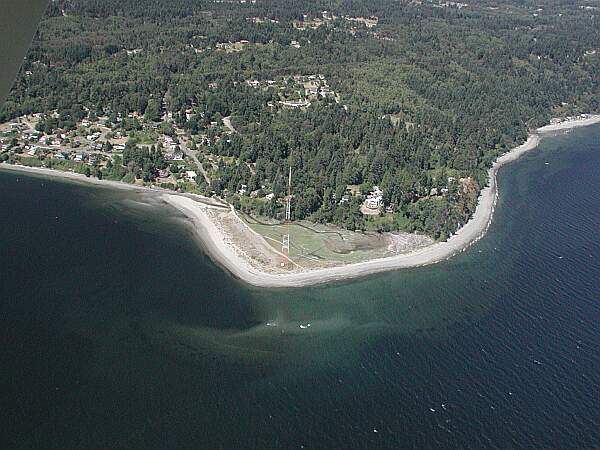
[374,201]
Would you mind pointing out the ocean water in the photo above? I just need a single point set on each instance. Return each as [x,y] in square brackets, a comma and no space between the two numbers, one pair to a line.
[118,332]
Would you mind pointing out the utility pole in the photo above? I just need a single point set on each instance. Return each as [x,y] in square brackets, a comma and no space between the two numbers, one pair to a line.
[285,245]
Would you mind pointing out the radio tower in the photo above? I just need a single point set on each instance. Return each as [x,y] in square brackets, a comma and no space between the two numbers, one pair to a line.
[285,246]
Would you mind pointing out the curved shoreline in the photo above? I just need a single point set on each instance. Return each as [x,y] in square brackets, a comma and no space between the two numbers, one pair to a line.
[227,254]
[470,233]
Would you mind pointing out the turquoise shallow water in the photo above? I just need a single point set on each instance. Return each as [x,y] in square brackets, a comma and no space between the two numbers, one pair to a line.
[119,333]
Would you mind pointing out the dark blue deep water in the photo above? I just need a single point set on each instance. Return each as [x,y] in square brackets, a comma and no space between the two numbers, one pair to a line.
[116,331]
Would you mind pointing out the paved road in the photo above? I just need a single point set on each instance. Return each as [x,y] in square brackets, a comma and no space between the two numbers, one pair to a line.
[227,123]
[192,154]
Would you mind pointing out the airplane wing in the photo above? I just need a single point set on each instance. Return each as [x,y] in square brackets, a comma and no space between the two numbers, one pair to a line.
[19,20]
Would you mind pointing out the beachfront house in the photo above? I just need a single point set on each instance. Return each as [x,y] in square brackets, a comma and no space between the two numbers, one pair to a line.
[374,202]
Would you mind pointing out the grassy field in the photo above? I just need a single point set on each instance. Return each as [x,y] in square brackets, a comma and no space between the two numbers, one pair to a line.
[314,245]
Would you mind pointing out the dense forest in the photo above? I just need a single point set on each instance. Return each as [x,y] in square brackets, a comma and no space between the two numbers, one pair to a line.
[419,94]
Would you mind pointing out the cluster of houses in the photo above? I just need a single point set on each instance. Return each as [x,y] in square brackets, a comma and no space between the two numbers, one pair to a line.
[450,5]
[308,23]
[315,86]
[24,131]
[368,22]
[463,184]
[557,120]
[228,47]
[383,36]
[173,151]
[373,202]
[62,155]
[256,84]
[31,145]
[94,139]
[297,91]
[261,20]
[22,138]
[232,46]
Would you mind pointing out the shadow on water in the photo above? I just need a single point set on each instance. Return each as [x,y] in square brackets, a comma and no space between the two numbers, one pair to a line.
[179,299]
[323,325]
[195,308]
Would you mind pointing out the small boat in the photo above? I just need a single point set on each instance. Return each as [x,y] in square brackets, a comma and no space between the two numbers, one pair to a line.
[304,327]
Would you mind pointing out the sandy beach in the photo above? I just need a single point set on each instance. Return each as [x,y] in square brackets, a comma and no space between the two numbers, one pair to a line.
[79,178]
[246,255]
[473,230]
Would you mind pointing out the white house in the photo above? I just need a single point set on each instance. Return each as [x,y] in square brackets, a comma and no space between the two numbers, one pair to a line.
[373,202]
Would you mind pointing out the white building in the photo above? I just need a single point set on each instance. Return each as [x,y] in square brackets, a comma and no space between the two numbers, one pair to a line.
[373,202]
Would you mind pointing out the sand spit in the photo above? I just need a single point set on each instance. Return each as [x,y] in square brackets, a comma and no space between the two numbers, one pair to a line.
[242,267]
[232,244]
